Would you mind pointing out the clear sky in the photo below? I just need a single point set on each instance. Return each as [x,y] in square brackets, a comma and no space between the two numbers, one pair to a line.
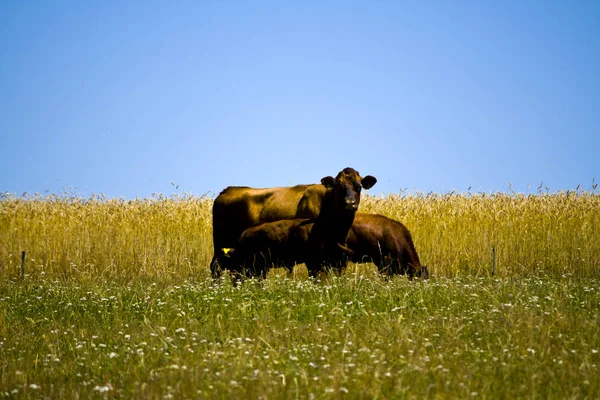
[125,97]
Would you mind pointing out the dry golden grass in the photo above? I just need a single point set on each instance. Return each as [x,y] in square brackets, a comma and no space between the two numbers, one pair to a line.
[166,236]
[455,233]
[106,237]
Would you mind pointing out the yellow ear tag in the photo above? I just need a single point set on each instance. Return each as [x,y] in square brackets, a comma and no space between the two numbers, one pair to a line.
[226,251]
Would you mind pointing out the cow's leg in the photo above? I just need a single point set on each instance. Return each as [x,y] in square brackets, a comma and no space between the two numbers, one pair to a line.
[410,271]
[386,265]
[406,265]
[236,277]
[398,267]
[338,268]
[314,269]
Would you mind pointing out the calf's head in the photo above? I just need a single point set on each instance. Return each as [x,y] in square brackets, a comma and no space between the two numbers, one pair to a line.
[346,188]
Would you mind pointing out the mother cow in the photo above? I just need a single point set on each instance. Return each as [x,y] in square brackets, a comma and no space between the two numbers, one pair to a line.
[238,208]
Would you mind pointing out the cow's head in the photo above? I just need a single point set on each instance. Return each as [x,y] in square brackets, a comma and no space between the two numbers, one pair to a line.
[346,187]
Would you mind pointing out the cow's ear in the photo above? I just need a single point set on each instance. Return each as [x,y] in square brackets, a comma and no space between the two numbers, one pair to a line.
[369,181]
[328,182]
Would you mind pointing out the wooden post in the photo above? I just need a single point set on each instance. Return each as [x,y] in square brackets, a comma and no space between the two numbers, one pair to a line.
[23,264]
[493,260]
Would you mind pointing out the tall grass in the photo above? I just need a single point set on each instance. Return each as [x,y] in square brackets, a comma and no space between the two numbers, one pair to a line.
[98,236]
[454,233]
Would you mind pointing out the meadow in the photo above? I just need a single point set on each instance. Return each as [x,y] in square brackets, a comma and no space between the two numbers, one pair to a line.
[115,301]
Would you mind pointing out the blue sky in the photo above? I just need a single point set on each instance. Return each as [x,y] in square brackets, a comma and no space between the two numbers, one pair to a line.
[123,98]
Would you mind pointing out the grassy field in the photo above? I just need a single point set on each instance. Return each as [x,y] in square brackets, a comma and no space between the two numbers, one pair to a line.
[116,302]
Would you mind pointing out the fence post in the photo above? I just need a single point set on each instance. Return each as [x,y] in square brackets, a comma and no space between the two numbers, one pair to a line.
[23,264]
[493,260]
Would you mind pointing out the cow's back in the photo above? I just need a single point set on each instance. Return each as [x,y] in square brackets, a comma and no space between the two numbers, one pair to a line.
[238,208]
[300,201]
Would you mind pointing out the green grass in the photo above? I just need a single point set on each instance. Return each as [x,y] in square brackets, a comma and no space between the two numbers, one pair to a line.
[358,336]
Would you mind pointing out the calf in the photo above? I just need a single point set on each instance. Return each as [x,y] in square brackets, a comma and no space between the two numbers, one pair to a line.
[239,208]
[385,242]
[316,242]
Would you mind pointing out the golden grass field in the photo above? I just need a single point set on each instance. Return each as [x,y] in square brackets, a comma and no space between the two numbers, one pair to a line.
[163,236]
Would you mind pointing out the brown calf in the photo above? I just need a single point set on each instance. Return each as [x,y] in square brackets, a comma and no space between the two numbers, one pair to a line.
[387,243]
[316,242]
